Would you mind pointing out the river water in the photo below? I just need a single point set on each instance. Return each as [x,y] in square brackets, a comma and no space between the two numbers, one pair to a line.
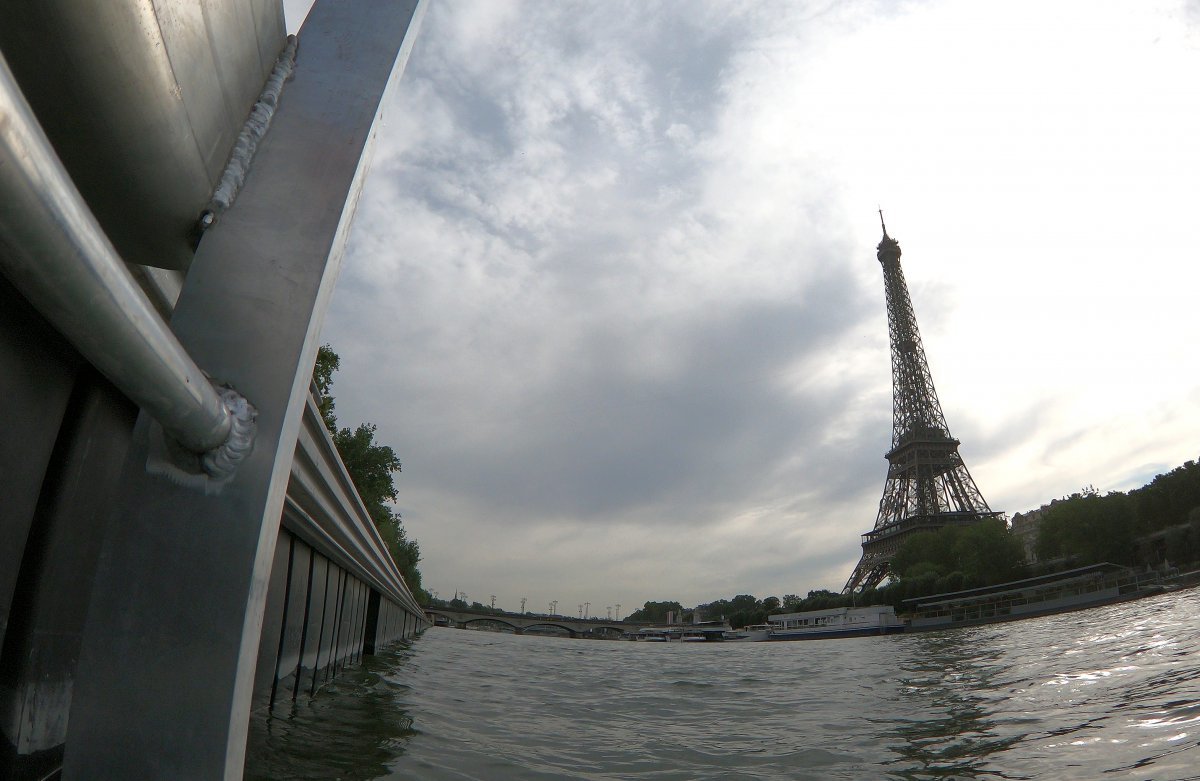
[1112,692]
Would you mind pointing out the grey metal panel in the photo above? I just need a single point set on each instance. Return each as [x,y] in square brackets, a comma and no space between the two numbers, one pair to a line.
[351,618]
[352,621]
[316,617]
[385,618]
[356,630]
[37,669]
[360,614]
[333,517]
[270,29]
[250,312]
[325,647]
[142,99]
[272,626]
[400,630]
[342,644]
[55,254]
[385,622]
[305,527]
[296,617]
[37,372]
[364,598]
[330,644]
[371,622]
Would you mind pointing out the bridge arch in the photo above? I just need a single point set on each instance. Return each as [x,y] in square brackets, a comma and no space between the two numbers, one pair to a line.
[491,620]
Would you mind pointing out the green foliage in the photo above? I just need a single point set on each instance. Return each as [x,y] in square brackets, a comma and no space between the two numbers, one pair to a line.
[371,467]
[1168,500]
[742,610]
[1089,529]
[327,363]
[1144,526]
[655,612]
[957,557]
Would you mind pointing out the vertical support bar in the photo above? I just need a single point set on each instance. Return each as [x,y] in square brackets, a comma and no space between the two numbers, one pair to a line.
[372,627]
[177,608]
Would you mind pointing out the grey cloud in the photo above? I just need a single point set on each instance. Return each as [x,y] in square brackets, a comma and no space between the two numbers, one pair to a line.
[597,438]
[555,322]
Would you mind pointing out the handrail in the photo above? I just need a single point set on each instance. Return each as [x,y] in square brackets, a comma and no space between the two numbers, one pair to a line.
[56,254]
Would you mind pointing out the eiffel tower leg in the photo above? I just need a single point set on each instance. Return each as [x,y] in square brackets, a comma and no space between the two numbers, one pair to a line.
[868,574]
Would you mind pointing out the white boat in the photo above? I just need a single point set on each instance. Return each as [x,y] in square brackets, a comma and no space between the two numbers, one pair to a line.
[749,634]
[835,622]
[705,631]
[655,635]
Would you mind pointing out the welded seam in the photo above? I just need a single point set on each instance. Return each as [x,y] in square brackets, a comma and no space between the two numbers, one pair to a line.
[256,127]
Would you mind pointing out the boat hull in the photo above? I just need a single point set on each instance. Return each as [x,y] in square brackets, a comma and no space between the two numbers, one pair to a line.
[870,631]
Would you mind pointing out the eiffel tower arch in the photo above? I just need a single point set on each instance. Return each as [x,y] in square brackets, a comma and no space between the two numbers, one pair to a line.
[928,485]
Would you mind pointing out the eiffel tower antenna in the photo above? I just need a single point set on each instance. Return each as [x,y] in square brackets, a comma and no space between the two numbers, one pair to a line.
[928,485]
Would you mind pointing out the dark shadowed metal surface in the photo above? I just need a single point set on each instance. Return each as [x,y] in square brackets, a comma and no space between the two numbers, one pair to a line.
[142,100]
[250,312]
[54,251]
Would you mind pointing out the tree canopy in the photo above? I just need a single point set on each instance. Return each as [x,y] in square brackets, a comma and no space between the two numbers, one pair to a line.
[957,557]
[372,467]
[1088,529]
[656,612]
[1160,520]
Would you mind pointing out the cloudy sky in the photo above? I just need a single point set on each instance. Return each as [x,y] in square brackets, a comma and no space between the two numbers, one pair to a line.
[612,293]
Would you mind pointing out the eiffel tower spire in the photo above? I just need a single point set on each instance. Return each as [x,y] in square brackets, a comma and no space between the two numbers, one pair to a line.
[928,485]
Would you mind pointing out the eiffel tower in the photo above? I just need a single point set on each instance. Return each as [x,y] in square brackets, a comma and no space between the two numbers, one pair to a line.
[928,485]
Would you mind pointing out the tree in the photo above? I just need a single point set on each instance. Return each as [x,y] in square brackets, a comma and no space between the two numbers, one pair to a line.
[327,363]
[957,557]
[372,467]
[655,612]
[1089,529]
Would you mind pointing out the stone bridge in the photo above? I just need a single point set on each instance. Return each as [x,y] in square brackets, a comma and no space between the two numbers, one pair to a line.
[575,627]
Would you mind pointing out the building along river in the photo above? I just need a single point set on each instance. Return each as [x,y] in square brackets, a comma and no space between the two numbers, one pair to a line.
[1112,692]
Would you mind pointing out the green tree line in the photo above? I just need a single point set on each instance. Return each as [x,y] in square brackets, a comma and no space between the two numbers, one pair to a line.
[1148,526]
[372,467]
[1157,523]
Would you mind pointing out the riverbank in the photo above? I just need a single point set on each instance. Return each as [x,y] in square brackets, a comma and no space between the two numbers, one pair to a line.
[1061,592]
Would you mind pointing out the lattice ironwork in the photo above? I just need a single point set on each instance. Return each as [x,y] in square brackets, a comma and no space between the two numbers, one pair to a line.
[928,485]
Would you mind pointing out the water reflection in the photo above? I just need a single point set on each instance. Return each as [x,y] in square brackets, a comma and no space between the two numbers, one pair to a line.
[944,682]
[354,727]
[1084,696]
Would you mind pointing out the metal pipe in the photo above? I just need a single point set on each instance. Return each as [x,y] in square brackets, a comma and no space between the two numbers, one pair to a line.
[55,253]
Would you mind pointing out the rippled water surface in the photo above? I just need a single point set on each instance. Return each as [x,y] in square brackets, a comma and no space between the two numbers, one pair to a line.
[1107,693]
